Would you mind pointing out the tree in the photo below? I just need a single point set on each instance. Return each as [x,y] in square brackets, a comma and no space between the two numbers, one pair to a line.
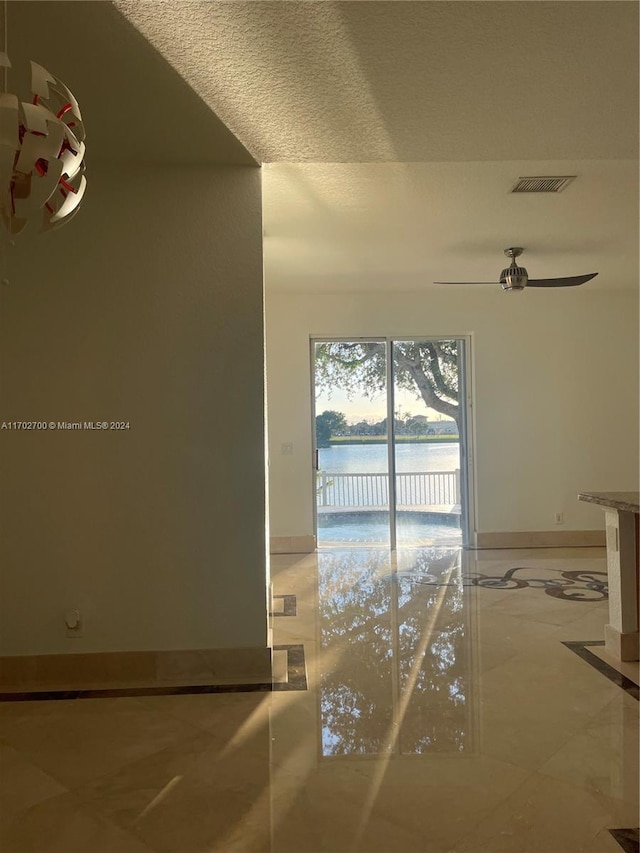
[361,428]
[429,369]
[327,425]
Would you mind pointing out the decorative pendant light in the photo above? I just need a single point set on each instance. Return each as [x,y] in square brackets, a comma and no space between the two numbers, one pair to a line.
[41,153]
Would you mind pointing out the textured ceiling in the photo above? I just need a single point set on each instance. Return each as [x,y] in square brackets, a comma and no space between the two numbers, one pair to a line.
[393,132]
[397,128]
[382,226]
[136,108]
[409,81]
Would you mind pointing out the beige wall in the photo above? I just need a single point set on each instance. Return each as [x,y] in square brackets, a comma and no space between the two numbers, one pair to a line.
[146,308]
[555,388]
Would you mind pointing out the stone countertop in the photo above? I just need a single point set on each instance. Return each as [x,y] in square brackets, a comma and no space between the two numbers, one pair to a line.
[625,501]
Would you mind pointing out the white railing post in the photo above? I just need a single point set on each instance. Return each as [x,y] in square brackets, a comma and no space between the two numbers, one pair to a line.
[323,489]
[457,494]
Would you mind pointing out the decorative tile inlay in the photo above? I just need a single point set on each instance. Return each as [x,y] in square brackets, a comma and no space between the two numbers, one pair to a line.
[289,606]
[122,692]
[628,839]
[296,668]
[580,649]
[296,680]
[569,586]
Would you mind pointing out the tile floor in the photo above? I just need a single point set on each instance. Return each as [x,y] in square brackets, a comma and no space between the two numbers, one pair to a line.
[443,715]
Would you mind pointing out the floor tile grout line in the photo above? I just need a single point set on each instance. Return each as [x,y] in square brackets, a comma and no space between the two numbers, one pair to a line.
[530,774]
[582,729]
[570,782]
[538,771]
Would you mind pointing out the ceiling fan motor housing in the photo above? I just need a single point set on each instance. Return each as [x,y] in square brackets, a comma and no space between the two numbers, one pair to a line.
[514,278]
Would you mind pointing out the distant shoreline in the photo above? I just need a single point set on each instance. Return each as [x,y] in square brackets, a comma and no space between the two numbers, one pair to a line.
[340,440]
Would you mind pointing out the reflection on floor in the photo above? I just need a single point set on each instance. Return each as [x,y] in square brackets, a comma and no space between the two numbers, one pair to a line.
[446,712]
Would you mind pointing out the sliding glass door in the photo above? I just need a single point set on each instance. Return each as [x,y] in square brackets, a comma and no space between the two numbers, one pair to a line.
[390,442]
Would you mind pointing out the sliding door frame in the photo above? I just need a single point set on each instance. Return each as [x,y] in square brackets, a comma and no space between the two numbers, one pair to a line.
[466,443]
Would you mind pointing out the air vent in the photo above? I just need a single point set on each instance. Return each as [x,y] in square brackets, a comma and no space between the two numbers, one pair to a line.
[542,184]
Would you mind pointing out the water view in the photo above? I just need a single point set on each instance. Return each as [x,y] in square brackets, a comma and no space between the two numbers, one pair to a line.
[373,458]
[353,494]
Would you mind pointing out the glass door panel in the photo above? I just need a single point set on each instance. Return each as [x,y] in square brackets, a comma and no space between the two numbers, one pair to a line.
[351,443]
[427,414]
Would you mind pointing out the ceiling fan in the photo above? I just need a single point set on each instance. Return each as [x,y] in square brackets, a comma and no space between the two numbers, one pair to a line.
[514,277]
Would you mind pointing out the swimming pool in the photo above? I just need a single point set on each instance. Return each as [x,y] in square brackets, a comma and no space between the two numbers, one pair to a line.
[372,528]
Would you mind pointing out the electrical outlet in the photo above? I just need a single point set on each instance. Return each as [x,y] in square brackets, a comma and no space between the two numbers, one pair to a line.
[559,517]
[287,448]
[73,622]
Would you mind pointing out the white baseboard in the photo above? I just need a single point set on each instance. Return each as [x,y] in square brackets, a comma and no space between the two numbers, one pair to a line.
[542,539]
[292,544]
[140,669]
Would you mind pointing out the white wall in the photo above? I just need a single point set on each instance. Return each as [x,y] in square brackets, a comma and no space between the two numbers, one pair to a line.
[556,394]
[146,308]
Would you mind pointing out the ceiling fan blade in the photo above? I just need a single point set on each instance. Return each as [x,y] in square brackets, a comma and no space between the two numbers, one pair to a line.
[570,281]
[467,282]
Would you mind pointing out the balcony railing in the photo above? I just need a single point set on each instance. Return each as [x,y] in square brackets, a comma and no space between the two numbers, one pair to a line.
[418,490]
